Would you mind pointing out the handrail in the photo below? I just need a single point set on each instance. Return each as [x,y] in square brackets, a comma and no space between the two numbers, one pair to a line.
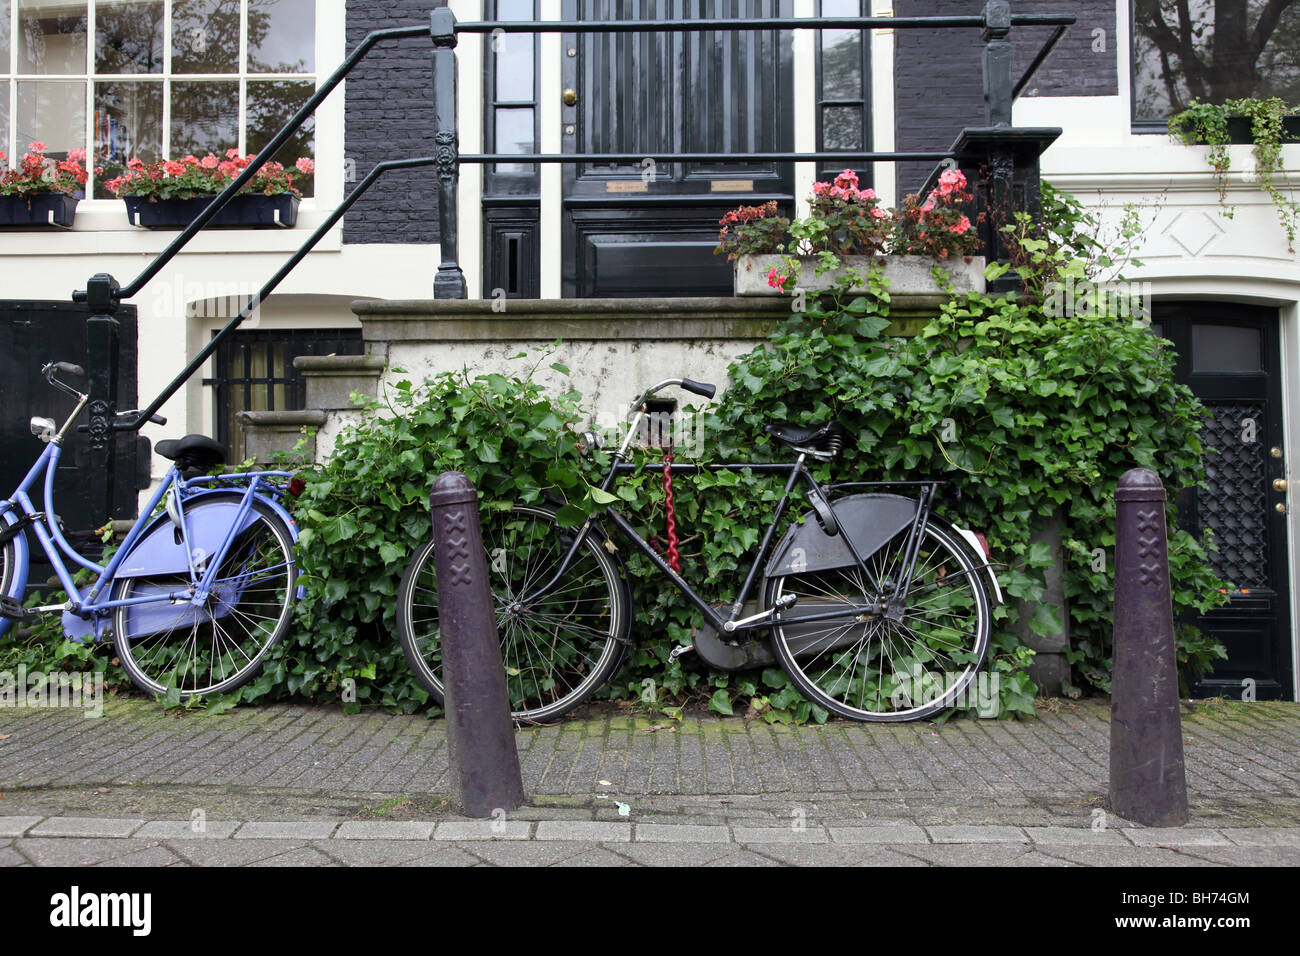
[774,23]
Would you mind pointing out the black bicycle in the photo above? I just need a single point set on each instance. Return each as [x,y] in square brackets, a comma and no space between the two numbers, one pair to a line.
[872,603]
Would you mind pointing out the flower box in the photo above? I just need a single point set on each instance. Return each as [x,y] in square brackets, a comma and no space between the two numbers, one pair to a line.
[908,276]
[246,211]
[43,210]
[1241,129]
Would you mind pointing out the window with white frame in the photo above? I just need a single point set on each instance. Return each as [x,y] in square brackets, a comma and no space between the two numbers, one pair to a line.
[155,79]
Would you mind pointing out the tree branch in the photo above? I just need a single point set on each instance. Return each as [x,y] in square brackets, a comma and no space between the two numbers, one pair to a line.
[1268,20]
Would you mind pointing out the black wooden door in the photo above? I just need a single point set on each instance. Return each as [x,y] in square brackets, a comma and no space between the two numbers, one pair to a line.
[1229,355]
[643,229]
[32,334]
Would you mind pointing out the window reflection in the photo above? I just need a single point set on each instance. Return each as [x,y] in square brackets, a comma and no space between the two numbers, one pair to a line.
[205,36]
[52,112]
[1212,51]
[205,117]
[129,36]
[128,123]
[281,36]
[271,103]
[52,37]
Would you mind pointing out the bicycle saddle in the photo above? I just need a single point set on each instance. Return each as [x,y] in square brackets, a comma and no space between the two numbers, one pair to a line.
[194,454]
[821,441]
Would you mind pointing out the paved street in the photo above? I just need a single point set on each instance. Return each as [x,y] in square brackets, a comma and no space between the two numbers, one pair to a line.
[289,785]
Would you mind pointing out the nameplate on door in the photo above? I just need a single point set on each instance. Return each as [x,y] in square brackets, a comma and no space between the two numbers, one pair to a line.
[732,185]
[626,186]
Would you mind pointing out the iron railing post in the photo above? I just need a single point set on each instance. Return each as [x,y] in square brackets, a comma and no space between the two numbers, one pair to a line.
[103,345]
[449,283]
[997,63]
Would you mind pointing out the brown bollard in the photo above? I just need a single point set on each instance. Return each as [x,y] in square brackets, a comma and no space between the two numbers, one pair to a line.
[1148,784]
[484,766]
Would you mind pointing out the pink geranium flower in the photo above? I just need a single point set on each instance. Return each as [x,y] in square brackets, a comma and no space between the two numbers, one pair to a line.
[305,166]
[209,162]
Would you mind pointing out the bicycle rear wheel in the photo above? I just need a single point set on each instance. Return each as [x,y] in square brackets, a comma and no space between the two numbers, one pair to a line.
[868,667]
[222,645]
[559,649]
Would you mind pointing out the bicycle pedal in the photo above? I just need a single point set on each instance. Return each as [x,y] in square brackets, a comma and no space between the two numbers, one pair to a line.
[679,651]
[12,609]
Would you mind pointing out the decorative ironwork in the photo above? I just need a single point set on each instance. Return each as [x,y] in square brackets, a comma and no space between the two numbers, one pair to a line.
[1234,504]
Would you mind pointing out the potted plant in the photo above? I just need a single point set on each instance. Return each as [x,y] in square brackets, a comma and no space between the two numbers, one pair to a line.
[925,250]
[169,194]
[42,191]
[1267,124]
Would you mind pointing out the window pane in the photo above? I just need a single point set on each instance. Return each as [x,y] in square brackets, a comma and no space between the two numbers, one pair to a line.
[1226,59]
[514,134]
[4,121]
[1225,348]
[4,39]
[841,65]
[53,37]
[841,127]
[129,36]
[205,118]
[205,36]
[53,112]
[281,36]
[128,123]
[514,68]
[271,103]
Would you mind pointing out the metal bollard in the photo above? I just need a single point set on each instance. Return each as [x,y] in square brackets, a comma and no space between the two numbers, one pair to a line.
[485,770]
[1148,783]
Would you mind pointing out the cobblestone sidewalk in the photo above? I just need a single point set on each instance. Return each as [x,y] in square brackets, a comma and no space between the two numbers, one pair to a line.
[285,784]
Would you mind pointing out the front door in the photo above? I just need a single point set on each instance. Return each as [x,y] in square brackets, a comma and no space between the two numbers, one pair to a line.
[649,229]
[1229,355]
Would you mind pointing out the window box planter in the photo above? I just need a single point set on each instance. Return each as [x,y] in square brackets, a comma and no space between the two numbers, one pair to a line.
[44,210]
[1240,131]
[908,276]
[248,211]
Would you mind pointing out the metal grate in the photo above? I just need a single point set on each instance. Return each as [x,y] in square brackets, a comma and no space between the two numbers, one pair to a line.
[254,372]
[1234,503]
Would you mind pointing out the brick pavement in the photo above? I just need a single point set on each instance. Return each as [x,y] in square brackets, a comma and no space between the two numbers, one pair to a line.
[302,784]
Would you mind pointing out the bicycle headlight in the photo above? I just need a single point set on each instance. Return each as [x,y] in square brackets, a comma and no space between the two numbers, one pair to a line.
[589,444]
[43,428]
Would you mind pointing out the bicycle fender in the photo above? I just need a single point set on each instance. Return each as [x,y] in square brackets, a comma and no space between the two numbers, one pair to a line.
[158,552]
[869,520]
[22,560]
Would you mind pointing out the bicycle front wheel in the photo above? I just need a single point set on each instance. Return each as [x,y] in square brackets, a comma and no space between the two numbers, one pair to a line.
[561,647]
[221,645]
[872,666]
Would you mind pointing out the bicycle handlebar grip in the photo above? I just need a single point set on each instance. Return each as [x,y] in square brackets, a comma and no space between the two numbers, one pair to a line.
[699,388]
[68,368]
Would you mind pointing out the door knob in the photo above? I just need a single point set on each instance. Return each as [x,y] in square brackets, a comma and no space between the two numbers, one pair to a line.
[1279,484]
[570,97]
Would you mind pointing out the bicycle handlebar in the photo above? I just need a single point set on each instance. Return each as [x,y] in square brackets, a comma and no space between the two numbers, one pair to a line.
[697,388]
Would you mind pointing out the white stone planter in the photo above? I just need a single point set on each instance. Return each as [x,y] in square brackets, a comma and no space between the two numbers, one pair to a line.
[910,278]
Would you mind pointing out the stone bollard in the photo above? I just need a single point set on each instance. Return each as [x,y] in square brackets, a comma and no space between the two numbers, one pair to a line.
[1147,781]
[484,766]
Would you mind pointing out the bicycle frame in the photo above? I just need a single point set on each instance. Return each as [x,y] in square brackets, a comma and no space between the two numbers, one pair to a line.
[816,493]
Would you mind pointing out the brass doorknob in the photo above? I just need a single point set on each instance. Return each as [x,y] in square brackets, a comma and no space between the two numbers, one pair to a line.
[570,97]
[1279,484]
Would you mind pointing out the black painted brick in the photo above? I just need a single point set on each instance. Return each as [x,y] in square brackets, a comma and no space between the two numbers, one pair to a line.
[389,115]
[938,76]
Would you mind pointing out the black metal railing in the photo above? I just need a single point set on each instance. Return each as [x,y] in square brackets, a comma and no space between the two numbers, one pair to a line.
[996,143]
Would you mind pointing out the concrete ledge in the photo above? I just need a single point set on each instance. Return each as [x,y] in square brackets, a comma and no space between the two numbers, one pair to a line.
[268,433]
[331,379]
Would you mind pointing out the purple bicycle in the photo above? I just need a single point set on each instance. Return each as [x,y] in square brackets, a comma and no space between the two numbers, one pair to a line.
[202,586]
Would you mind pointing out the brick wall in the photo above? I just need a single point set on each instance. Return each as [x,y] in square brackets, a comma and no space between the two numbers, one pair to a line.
[389,115]
[938,75]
